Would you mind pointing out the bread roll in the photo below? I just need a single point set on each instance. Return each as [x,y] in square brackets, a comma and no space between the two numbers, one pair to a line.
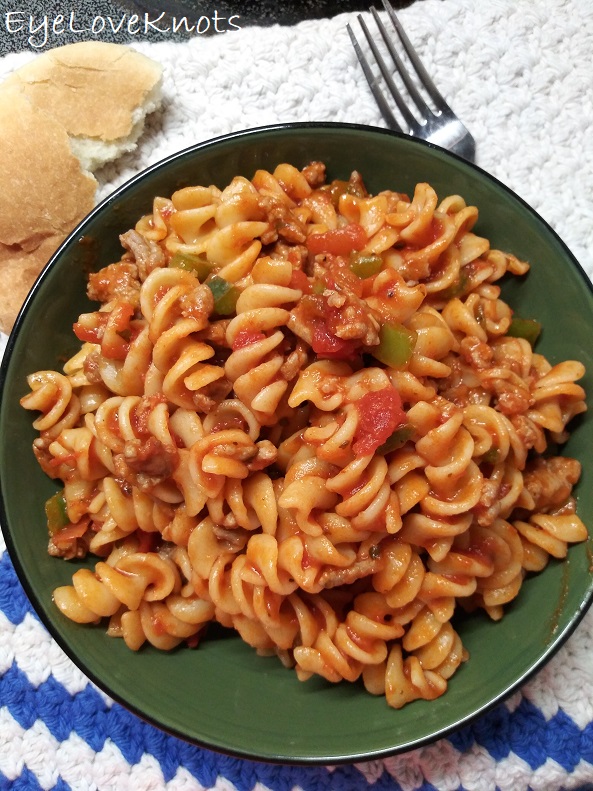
[101,93]
[44,193]
[62,115]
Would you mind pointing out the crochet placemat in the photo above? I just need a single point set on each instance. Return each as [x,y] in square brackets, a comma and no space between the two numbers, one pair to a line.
[519,75]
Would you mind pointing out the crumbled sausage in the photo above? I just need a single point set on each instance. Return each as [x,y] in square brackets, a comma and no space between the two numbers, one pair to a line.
[215,332]
[530,433]
[91,367]
[76,549]
[344,314]
[113,281]
[266,454]
[475,352]
[355,323]
[147,254]
[314,173]
[550,480]
[283,223]
[44,457]
[510,399]
[296,360]
[233,538]
[297,254]
[334,577]
[151,457]
[198,304]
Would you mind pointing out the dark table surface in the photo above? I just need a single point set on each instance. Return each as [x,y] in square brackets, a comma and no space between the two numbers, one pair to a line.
[42,24]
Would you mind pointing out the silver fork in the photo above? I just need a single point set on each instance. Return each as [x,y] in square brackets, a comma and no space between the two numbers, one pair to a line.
[439,125]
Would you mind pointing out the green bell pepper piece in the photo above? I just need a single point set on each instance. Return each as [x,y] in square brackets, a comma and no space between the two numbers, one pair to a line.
[529,329]
[196,264]
[56,513]
[457,288]
[365,264]
[399,438]
[225,295]
[396,345]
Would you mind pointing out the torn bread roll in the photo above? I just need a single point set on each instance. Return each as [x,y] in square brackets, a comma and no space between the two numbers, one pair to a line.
[62,115]
[44,194]
[101,93]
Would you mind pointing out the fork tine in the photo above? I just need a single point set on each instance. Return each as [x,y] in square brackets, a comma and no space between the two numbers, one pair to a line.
[401,105]
[403,73]
[382,103]
[423,75]
[435,122]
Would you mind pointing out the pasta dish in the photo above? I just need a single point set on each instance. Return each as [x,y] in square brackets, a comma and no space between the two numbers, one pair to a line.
[305,412]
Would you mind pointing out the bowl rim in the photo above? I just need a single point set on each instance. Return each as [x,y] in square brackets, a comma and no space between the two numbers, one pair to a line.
[559,639]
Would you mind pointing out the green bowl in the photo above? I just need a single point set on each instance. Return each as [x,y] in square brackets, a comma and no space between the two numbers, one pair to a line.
[223,696]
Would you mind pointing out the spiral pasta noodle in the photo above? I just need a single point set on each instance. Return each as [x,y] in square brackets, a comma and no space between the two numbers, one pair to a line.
[307,413]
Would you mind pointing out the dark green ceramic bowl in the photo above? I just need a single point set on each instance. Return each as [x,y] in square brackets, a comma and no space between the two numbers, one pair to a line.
[222,696]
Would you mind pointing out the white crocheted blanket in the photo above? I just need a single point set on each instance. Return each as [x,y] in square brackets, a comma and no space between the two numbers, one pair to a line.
[518,73]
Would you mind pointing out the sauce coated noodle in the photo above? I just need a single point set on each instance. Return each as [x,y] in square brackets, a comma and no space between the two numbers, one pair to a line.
[305,412]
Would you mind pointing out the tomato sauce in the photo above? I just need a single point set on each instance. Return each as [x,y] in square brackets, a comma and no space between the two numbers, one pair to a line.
[340,241]
[246,338]
[380,413]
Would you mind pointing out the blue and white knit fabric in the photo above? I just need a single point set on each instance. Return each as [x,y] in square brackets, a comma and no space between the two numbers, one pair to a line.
[518,72]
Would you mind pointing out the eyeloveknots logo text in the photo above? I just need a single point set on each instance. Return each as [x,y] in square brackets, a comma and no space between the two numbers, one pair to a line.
[51,30]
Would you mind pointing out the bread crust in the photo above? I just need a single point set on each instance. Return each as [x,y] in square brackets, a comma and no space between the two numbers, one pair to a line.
[63,114]
[93,88]
[44,193]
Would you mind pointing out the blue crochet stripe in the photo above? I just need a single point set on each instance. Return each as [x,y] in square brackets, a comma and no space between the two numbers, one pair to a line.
[529,735]
[524,731]
[87,714]
[13,600]
[28,782]
[281,780]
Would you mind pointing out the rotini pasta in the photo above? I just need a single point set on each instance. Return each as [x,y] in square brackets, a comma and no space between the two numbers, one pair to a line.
[306,413]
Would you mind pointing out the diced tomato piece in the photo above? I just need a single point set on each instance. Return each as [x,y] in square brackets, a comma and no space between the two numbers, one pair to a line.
[90,327]
[88,334]
[326,344]
[121,315]
[341,241]
[113,345]
[300,281]
[246,338]
[70,532]
[115,349]
[379,413]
